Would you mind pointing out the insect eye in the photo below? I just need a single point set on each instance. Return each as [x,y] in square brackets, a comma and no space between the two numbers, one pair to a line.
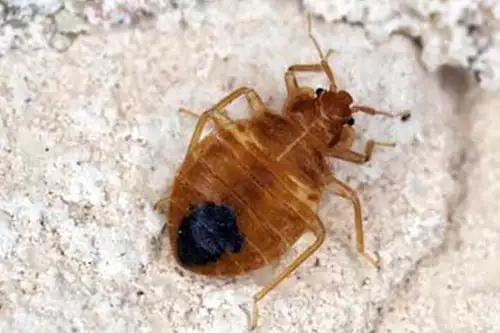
[350,121]
[319,91]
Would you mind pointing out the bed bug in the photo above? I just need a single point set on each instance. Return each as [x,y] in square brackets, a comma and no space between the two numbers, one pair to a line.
[250,189]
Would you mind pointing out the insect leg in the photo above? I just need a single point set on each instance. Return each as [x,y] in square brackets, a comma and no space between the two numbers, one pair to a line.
[323,66]
[348,193]
[347,138]
[256,105]
[219,115]
[291,83]
[342,150]
[189,113]
[161,204]
[291,80]
[218,118]
[355,157]
[320,236]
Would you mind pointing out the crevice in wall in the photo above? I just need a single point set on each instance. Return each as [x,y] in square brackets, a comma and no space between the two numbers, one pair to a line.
[457,83]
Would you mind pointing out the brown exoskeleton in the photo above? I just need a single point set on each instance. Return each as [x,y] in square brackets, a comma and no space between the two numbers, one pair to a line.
[247,191]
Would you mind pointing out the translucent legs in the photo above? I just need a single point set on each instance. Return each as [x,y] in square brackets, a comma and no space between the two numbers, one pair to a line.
[320,236]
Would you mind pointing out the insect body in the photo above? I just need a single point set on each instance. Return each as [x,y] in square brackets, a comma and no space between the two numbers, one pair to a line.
[246,192]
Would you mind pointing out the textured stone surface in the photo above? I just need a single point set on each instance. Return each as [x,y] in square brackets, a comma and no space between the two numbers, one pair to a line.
[462,33]
[456,289]
[91,138]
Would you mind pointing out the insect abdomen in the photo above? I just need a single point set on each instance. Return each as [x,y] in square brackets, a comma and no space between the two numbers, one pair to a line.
[267,217]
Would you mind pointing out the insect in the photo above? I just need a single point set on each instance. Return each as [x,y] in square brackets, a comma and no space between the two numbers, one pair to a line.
[250,189]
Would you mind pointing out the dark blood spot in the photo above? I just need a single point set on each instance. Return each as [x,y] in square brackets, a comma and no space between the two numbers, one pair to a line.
[208,231]
[405,117]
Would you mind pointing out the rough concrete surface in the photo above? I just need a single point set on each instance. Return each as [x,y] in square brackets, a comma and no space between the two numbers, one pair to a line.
[456,289]
[90,138]
[462,33]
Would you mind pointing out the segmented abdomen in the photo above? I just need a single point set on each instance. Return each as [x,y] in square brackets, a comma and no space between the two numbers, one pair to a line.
[270,214]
